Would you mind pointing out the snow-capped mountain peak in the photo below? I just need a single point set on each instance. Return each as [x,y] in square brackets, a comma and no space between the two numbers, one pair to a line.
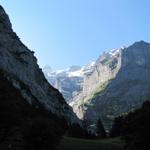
[73,71]
[70,81]
[114,52]
[87,69]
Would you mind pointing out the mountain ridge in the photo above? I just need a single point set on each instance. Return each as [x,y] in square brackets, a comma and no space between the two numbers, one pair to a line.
[105,90]
[19,65]
[125,91]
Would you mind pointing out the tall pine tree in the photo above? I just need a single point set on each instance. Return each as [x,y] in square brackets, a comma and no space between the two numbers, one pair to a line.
[101,133]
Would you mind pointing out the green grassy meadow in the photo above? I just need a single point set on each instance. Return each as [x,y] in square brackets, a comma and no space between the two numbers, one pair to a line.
[83,144]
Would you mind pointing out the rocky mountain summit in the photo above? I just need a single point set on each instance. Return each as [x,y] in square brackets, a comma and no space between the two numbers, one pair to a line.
[68,81]
[19,66]
[116,83]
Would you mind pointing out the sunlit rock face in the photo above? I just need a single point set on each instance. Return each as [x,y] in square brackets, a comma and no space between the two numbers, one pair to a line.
[68,81]
[116,83]
[19,66]
[119,83]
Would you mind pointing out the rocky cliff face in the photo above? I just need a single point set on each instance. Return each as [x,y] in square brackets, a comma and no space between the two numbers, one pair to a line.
[19,66]
[105,69]
[118,84]
[68,81]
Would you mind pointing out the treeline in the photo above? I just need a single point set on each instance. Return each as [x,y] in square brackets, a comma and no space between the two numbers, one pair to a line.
[134,128]
[87,132]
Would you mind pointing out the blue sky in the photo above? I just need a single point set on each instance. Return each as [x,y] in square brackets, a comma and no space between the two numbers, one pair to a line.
[75,32]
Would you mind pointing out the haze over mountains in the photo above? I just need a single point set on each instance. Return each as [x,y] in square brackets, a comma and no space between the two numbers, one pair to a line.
[117,82]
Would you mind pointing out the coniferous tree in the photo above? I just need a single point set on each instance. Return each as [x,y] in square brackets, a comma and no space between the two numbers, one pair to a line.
[101,133]
[116,129]
[136,128]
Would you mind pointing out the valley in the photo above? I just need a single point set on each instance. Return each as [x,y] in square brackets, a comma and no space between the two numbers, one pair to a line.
[104,104]
[82,144]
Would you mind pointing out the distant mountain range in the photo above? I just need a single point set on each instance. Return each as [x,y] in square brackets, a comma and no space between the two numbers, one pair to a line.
[116,83]
[69,81]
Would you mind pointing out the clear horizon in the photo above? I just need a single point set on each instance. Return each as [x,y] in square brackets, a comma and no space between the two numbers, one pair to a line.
[75,32]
